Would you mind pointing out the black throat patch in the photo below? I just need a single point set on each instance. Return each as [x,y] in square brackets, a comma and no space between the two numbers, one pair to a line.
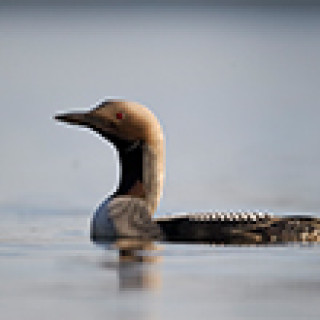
[131,167]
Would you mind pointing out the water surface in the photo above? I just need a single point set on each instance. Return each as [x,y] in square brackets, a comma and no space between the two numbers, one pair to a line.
[50,269]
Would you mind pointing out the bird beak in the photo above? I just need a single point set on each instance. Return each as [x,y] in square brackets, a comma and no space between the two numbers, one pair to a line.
[88,120]
[76,118]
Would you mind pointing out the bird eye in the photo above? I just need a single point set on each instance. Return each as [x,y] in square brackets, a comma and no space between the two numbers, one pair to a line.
[119,115]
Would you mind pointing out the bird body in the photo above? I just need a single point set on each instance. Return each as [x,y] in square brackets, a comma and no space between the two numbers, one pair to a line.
[137,136]
[123,216]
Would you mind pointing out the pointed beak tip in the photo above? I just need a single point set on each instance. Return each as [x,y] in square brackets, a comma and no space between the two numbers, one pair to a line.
[64,117]
[74,118]
[57,117]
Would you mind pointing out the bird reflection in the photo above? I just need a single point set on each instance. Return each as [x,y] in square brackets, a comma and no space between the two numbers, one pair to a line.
[136,265]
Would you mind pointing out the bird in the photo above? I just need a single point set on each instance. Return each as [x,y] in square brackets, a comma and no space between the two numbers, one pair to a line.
[139,140]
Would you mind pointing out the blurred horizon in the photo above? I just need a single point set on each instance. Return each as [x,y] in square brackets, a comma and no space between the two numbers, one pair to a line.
[166,3]
[234,84]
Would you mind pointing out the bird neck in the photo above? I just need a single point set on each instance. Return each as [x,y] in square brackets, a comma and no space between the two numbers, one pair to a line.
[131,169]
[141,172]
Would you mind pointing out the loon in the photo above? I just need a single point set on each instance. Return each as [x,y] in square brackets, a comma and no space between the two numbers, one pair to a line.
[128,213]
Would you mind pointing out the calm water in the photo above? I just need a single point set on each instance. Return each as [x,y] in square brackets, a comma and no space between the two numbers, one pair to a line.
[50,270]
[237,92]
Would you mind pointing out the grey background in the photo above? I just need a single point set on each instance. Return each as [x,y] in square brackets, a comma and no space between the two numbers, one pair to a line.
[236,88]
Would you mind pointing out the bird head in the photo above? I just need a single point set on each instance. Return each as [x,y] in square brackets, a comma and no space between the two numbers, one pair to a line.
[119,121]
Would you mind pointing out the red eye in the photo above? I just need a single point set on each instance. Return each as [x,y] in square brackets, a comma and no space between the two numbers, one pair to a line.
[119,115]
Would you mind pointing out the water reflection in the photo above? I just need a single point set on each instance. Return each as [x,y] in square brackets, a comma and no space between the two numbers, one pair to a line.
[137,263]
